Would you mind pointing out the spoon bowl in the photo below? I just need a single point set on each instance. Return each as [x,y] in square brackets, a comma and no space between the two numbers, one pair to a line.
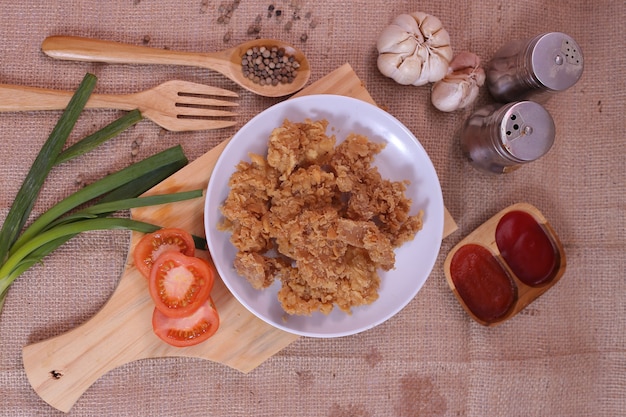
[235,73]
[226,62]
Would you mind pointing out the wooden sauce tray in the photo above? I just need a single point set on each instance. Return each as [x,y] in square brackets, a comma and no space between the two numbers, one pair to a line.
[62,368]
[484,236]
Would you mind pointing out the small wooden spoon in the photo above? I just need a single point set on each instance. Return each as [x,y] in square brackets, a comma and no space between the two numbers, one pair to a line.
[227,62]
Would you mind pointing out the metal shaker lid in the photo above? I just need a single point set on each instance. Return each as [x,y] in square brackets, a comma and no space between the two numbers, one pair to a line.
[557,61]
[527,131]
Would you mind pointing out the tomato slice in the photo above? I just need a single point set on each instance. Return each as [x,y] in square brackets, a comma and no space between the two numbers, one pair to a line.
[154,244]
[187,331]
[180,284]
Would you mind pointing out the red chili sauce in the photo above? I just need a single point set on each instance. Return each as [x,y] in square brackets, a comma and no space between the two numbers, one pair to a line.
[485,287]
[526,248]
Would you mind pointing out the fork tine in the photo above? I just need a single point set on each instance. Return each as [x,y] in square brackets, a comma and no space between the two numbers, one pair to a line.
[203,101]
[195,88]
[194,111]
[188,125]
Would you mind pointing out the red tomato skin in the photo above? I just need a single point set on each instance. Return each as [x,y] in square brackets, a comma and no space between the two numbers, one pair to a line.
[526,248]
[187,331]
[153,244]
[204,279]
[483,284]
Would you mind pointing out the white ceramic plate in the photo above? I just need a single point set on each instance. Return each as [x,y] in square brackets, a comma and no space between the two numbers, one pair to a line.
[402,158]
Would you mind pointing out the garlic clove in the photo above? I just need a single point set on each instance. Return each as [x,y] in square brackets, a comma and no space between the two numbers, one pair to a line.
[460,87]
[470,94]
[437,67]
[447,96]
[409,24]
[464,60]
[402,71]
[395,39]
[429,25]
[435,35]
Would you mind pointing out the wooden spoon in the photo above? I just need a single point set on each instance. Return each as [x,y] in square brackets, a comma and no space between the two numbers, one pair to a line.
[227,62]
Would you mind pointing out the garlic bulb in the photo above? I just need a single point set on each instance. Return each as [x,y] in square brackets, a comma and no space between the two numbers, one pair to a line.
[460,87]
[414,49]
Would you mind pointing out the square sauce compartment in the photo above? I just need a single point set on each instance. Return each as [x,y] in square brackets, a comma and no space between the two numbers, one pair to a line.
[505,264]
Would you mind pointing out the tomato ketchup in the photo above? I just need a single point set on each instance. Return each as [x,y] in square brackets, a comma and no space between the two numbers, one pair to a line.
[526,248]
[483,284]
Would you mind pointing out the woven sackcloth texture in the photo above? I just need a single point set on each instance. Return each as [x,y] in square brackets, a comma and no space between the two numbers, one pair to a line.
[564,355]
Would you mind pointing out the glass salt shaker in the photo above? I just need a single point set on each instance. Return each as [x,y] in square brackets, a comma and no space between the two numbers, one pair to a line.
[500,138]
[534,69]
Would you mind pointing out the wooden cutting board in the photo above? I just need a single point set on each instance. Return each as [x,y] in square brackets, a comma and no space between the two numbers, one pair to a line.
[62,368]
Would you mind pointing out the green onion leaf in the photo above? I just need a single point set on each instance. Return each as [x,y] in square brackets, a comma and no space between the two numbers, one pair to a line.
[13,262]
[37,256]
[96,189]
[94,140]
[29,191]
[96,211]
[144,182]
[111,207]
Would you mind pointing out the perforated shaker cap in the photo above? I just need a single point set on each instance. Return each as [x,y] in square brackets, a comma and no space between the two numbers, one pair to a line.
[557,61]
[527,131]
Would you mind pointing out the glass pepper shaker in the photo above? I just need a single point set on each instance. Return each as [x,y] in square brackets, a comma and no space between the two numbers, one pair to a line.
[500,138]
[534,69]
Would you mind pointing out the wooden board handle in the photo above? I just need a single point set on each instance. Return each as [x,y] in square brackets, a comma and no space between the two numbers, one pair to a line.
[62,368]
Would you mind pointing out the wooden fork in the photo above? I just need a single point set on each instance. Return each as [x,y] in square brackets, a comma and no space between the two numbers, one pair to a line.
[174,105]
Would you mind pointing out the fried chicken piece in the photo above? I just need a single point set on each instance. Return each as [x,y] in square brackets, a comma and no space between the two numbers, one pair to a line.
[297,144]
[371,197]
[309,188]
[407,230]
[384,202]
[357,285]
[352,160]
[297,297]
[336,260]
[365,235]
[327,212]
[247,205]
[310,237]
[259,270]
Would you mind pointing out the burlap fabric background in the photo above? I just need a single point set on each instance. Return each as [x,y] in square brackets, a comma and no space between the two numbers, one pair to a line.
[565,355]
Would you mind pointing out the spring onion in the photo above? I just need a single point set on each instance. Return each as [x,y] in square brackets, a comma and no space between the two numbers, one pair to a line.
[121,190]
[28,193]
[61,231]
[96,189]
[106,208]
[94,140]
